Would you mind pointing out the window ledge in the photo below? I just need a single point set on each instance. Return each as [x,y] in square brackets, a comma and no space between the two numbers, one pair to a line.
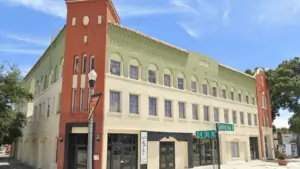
[151,117]
[182,120]
[195,121]
[170,119]
[134,115]
[114,113]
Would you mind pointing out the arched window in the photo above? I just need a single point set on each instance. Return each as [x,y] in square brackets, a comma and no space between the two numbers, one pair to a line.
[92,63]
[152,73]
[76,62]
[83,64]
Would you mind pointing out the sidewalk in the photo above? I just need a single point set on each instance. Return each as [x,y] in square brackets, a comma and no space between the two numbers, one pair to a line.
[7,162]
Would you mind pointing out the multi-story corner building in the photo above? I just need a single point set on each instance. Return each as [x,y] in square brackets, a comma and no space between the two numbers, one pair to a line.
[150,88]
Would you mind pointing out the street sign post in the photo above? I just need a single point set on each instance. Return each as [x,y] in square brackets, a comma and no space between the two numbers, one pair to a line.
[206,134]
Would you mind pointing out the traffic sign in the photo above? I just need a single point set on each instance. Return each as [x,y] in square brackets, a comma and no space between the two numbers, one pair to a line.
[225,127]
[206,134]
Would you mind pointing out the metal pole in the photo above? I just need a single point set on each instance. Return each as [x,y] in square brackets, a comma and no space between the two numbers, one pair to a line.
[90,133]
[218,146]
[213,154]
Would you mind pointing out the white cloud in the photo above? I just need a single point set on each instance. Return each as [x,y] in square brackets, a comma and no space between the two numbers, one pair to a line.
[282,120]
[22,51]
[25,70]
[27,39]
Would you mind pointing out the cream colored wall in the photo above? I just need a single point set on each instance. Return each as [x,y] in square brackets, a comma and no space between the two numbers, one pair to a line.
[268,132]
[124,121]
[38,145]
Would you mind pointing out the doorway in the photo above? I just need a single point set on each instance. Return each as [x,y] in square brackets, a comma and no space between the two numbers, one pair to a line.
[122,151]
[254,148]
[266,147]
[78,151]
[167,155]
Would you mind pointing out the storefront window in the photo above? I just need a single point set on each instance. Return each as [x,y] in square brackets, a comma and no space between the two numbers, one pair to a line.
[204,152]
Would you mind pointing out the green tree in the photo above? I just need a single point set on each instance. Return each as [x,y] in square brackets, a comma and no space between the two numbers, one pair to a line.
[11,93]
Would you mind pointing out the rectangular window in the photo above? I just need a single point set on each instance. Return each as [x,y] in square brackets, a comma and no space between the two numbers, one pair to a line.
[242,118]
[263,121]
[206,113]
[235,151]
[232,96]
[115,101]
[84,64]
[253,100]
[181,107]
[134,72]
[255,119]
[152,106]
[82,100]
[48,107]
[214,91]
[247,99]
[134,103]
[204,89]
[194,86]
[240,97]
[168,108]
[59,103]
[74,100]
[216,114]
[234,121]
[195,112]
[180,83]
[249,119]
[224,93]
[92,63]
[115,68]
[75,66]
[226,116]
[167,80]
[151,76]
[267,121]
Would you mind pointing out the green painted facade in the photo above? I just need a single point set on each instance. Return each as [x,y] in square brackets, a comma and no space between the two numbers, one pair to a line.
[130,45]
[48,69]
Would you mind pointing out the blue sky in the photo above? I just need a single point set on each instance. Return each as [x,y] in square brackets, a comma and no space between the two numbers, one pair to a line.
[239,33]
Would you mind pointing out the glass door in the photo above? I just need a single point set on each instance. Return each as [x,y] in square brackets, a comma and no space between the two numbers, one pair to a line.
[166,155]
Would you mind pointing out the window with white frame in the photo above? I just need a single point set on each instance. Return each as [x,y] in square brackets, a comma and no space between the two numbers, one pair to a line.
[206,113]
[180,82]
[82,100]
[83,64]
[247,99]
[234,119]
[151,76]
[195,112]
[194,86]
[134,103]
[216,114]
[152,106]
[168,108]
[240,97]
[249,119]
[115,101]
[232,95]
[167,80]
[181,108]
[74,100]
[134,72]
[242,120]
[115,68]
[255,119]
[204,89]
[226,116]
[224,93]
[76,62]
[235,151]
[214,91]
[253,100]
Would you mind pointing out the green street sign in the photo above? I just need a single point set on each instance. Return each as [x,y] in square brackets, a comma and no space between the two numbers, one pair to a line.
[225,127]
[206,134]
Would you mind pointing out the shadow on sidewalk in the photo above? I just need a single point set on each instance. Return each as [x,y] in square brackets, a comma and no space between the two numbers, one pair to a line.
[7,162]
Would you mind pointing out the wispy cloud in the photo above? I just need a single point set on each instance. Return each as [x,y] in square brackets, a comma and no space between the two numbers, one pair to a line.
[40,41]
[22,51]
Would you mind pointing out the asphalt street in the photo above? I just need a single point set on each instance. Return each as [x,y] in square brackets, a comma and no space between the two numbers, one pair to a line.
[8,163]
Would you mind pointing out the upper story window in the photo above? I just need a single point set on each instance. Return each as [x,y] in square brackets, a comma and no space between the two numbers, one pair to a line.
[48,107]
[134,103]
[253,100]
[226,116]
[181,107]
[224,94]
[152,106]
[242,118]
[193,84]
[240,97]
[84,64]
[263,121]
[134,72]
[134,69]
[76,62]
[152,73]
[206,113]
[180,81]
[74,100]
[255,119]
[168,108]
[167,77]
[267,121]
[216,114]
[115,101]
[92,63]
[249,119]
[247,99]
[232,95]
[234,120]
[204,87]
[195,112]
[115,67]
[214,91]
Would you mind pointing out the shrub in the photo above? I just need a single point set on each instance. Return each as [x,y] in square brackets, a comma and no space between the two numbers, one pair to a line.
[281,156]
